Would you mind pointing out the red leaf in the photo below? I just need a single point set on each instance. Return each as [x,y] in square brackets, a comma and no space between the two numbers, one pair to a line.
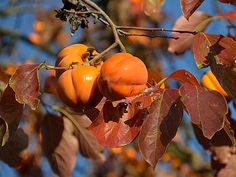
[160,126]
[189,6]
[209,48]
[228,1]
[184,76]
[25,83]
[231,15]
[122,127]
[206,108]
[185,40]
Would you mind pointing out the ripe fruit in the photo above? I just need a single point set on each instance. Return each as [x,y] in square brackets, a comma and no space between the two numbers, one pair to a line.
[209,81]
[77,87]
[76,49]
[122,75]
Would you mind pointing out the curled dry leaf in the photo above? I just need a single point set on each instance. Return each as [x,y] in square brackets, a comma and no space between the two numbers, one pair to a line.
[63,138]
[59,144]
[25,83]
[4,132]
[185,40]
[160,125]
[206,108]
[118,123]
[188,7]
[11,152]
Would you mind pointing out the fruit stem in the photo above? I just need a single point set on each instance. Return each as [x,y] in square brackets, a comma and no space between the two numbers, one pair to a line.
[103,53]
[46,66]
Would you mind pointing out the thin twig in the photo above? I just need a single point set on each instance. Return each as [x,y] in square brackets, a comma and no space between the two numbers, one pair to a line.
[82,12]
[154,29]
[121,32]
[46,66]
[107,18]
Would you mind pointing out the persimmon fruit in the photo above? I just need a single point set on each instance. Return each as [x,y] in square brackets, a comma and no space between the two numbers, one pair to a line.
[122,75]
[77,86]
[209,81]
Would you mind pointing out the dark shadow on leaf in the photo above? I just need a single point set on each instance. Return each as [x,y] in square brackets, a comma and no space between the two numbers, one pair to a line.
[52,130]
[171,122]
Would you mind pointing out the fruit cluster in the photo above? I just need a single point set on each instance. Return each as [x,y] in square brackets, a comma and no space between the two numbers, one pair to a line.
[81,83]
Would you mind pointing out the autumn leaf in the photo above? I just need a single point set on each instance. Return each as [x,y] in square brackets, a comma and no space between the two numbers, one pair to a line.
[63,139]
[214,48]
[10,109]
[206,108]
[228,1]
[11,152]
[219,52]
[4,132]
[160,126]
[119,123]
[25,83]
[183,76]
[59,144]
[185,40]
[220,138]
[230,15]
[226,77]
[188,7]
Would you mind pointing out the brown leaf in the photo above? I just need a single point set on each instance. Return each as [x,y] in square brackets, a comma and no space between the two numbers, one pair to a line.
[185,40]
[122,127]
[219,139]
[25,83]
[228,1]
[4,132]
[63,139]
[10,109]
[206,108]
[188,7]
[209,48]
[10,153]
[229,169]
[184,76]
[226,77]
[160,126]
[59,144]
[231,15]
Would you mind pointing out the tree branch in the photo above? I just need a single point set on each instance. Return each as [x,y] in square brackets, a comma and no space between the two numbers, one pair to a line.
[107,18]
